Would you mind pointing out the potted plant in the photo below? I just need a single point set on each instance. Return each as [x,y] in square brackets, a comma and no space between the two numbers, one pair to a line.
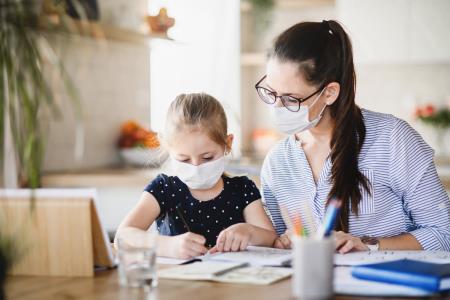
[139,146]
[439,119]
[27,98]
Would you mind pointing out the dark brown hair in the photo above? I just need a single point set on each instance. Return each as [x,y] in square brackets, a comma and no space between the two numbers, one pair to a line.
[323,52]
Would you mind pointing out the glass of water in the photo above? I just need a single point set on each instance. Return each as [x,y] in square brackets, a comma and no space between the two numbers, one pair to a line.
[136,252]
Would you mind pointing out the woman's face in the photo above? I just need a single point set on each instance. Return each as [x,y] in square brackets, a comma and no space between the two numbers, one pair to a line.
[284,78]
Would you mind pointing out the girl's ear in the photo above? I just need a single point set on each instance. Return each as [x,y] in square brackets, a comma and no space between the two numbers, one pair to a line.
[332,92]
[230,138]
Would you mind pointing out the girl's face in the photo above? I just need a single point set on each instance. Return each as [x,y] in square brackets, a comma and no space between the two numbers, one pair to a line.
[195,147]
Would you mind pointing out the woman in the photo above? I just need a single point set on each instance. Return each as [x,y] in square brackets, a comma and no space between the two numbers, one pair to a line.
[376,164]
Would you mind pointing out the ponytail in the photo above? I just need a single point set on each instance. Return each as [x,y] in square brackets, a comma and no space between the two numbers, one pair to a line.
[323,52]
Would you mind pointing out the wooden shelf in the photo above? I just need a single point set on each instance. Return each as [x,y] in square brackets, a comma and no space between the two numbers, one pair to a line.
[104,32]
[115,177]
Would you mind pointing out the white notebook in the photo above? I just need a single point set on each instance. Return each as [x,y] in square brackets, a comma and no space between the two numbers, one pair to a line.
[346,284]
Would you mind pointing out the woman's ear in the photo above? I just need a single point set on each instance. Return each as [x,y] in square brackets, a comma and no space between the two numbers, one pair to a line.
[230,138]
[332,92]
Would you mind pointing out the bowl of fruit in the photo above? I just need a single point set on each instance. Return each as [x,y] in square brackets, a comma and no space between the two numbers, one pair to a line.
[140,147]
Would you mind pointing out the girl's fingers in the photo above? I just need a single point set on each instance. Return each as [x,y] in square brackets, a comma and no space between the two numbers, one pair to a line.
[221,241]
[197,238]
[213,250]
[193,253]
[235,246]
[198,248]
[228,243]
[244,245]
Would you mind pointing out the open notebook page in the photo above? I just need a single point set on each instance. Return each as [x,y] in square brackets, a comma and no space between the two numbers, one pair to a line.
[365,257]
[255,256]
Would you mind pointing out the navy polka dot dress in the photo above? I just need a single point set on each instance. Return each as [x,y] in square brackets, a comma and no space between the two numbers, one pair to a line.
[207,218]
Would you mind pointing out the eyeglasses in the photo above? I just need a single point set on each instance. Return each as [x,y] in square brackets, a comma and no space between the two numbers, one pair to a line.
[270,97]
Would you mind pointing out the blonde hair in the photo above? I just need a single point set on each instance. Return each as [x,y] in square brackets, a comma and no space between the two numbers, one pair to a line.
[197,111]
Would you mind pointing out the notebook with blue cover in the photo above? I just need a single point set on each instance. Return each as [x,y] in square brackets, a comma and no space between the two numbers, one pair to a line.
[428,276]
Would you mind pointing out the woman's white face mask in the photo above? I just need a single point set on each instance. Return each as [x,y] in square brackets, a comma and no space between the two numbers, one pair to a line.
[199,177]
[294,122]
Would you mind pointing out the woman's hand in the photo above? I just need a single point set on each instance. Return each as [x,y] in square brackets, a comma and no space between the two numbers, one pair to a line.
[186,245]
[345,242]
[283,241]
[234,238]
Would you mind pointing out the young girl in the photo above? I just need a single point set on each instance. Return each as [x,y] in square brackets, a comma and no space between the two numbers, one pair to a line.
[200,208]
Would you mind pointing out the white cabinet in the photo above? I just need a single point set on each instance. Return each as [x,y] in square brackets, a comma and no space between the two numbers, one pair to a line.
[397,31]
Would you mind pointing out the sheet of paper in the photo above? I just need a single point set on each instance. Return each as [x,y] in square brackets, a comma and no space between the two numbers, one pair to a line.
[364,257]
[170,261]
[346,284]
[207,270]
[195,271]
[255,275]
[255,256]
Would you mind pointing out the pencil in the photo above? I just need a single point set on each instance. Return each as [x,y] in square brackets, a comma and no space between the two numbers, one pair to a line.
[180,214]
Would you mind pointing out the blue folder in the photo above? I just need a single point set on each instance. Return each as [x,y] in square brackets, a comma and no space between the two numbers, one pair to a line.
[418,274]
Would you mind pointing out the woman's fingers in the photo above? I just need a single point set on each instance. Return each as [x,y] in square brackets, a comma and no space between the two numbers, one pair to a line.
[340,239]
[346,242]
[347,247]
[278,244]
[285,241]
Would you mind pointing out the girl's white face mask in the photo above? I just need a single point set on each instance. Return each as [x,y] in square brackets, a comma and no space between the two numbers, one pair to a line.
[294,122]
[199,177]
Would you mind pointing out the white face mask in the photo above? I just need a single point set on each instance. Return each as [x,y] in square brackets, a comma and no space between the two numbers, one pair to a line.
[294,122]
[201,177]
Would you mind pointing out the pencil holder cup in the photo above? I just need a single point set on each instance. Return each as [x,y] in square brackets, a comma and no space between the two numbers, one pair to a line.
[313,268]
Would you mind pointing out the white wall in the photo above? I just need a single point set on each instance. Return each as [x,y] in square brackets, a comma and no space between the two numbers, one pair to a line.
[204,58]
[113,81]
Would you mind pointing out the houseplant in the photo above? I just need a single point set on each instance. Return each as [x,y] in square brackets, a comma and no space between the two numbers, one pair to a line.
[139,146]
[439,120]
[27,98]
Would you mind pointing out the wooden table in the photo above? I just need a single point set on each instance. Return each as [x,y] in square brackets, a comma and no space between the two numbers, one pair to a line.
[105,286]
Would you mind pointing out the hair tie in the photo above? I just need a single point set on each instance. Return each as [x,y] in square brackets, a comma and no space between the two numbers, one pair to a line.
[327,26]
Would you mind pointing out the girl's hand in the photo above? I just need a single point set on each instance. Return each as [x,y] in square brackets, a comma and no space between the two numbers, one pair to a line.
[234,238]
[283,241]
[187,245]
[346,242]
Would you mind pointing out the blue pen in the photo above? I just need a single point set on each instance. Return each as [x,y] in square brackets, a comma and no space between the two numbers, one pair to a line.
[330,219]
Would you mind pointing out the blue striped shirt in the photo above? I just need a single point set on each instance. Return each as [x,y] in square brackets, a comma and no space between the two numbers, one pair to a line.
[407,194]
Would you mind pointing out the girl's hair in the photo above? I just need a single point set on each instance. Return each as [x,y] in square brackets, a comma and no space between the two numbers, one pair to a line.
[323,52]
[197,111]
